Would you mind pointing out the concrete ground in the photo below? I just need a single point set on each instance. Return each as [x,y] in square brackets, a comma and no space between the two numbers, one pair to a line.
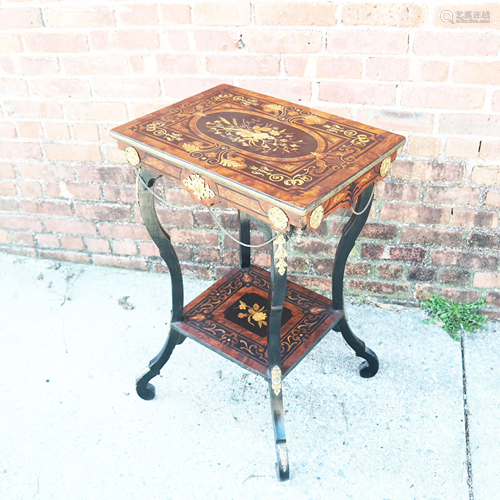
[72,426]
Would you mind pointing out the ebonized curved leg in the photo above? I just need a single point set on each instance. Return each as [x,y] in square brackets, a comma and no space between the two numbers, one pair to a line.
[146,203]
[369,367]
[276,299]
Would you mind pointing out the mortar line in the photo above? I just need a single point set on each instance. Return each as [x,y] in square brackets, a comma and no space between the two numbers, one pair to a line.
[470,483]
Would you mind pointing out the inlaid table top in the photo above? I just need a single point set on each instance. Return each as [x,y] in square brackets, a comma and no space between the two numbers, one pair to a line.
[257,152]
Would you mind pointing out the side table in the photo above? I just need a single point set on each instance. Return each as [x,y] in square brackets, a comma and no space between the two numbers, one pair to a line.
[284,167]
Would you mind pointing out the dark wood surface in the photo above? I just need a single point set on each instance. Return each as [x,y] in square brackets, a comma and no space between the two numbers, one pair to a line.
[255,152]
[231,317]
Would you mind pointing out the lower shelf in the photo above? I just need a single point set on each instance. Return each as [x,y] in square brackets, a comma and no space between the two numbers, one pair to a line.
[231,318]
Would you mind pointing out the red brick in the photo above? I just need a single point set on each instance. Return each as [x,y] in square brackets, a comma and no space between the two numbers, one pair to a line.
[10,43]
[60,88]
[338,67]
[109,64]
[378,287]
[118,193]
[289,89]
[7,170]
[97,245]
[476,261]
[428,171]
[452,195]
[295,13]
[469,124]
[481,241]
[56,131]
[78,16]
[166,64]
[96,111]
[32,130]
[112,175]
[216,40]
[13,87]
[72,242]
[231,258]
[455,277]
[301,265]
[175,218]
[322,284]
[473,218]
[72,152]
[56,42]
[102,212]
[46,207]
[379,231]
[487,280]
[493,198]
[175,40]
[440,258]
[33,109]
[69,226]
[29,65]
[428,71]
[398,15]
[124,40]
[462,148]
[387,68]
[48,241]
[357,93]
[420,96]
[358,269]
[415,213]
[282,41]
[486,175]
[21,150]
[73,190]
[7,189]
[489,150]
[201,272]
[371,251]
[370,42]
[427,236]
[20,223]
[124,262]
[137,15]
[182,87]
[297,65]
[416,273]
[23,239]
[242,65]
[7,130]
[397,191]
[438,43]
[177,13]
[5,237]
[13,18]
[85,132]
[194,237]
[124,231]
[409,254]
[62,255]
[493,298]
[424,292]
[397,120]
[8,205]
[222,13]
[423,146]
[487,73]
[124,247]
[15,250]
[45,171]
[127,87]
[492,9]
[207,255]
[390,271]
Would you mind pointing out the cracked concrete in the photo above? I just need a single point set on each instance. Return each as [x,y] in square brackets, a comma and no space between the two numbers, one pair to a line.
[73,427]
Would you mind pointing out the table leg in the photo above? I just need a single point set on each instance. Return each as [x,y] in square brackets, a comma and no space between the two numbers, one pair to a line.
[369,367]
[244,238]
[162,240]
[276,298]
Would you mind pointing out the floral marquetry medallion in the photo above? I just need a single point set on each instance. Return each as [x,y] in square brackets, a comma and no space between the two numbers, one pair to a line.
[272,151]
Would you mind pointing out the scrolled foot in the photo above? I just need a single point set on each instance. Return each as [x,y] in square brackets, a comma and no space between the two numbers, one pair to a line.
[144,389]
[282,467]
[369,367]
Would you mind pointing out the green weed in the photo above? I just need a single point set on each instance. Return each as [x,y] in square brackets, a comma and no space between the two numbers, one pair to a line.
[454,317]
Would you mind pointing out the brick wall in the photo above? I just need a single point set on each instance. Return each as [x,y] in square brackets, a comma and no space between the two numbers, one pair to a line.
[71,71]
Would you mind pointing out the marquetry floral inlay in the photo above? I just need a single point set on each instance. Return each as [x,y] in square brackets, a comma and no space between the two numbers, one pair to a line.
[255,313]
[196,184]
[157,128]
